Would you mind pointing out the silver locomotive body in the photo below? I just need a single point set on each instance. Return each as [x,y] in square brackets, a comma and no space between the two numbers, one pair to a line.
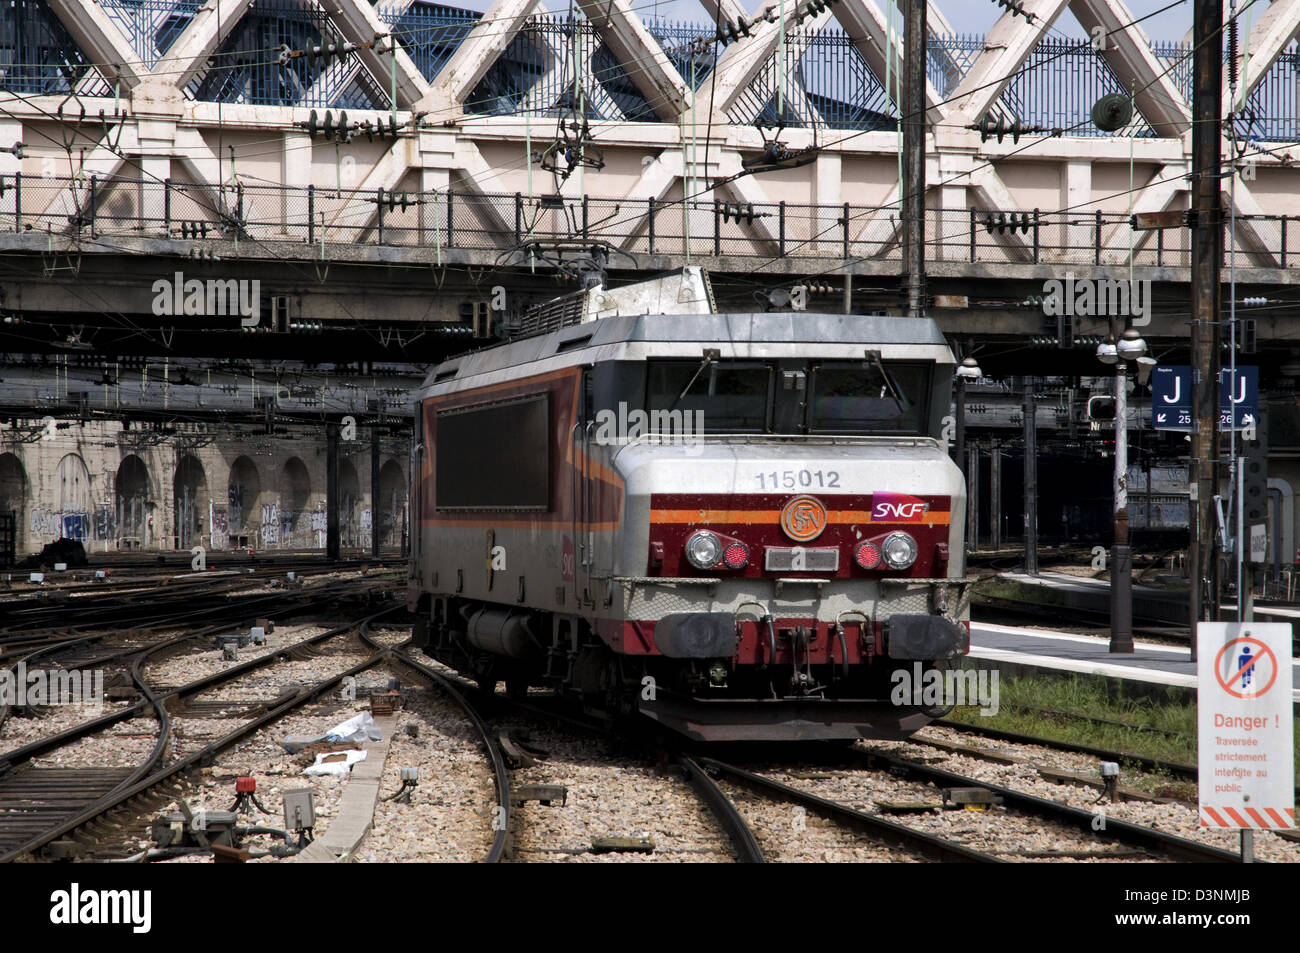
[738,525]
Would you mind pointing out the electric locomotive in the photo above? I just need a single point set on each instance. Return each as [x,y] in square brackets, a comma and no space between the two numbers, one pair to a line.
[742,526]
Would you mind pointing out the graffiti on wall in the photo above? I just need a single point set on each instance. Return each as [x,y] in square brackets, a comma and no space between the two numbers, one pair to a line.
[220,526]
[56,524]
[270,525]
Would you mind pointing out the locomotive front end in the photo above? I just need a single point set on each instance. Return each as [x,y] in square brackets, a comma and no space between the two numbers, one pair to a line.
[791,557]
[786,583]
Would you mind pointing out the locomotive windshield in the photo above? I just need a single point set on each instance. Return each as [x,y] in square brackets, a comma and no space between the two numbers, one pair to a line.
[857,397]
[732,397]
[847,397]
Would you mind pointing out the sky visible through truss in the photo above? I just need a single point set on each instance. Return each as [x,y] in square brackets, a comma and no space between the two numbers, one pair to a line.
[965,16]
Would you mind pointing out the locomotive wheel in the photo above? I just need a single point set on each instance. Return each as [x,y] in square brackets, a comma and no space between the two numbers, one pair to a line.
[487,684]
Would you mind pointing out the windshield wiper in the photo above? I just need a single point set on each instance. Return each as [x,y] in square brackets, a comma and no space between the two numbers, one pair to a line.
[873,357]
[711,354]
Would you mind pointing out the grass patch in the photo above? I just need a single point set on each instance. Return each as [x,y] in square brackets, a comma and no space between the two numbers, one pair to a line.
[1046,708]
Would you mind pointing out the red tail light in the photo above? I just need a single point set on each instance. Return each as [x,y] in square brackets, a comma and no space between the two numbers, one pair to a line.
[867,555]
[736,556]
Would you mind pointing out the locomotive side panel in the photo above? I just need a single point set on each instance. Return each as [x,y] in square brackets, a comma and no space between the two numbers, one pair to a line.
[499,494]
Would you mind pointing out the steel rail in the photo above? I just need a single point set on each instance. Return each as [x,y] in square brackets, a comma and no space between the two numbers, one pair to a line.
[724,811]
[145,777]
[927,845]
[1136,835]
[500,775]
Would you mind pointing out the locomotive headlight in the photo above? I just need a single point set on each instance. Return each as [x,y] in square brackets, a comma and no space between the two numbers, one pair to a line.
[899,550]
[703,549]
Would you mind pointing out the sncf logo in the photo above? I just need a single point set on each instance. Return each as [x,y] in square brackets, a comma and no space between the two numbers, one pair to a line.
[897,508]
[803,518]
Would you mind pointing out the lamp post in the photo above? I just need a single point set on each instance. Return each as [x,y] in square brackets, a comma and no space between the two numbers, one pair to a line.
[1130,347]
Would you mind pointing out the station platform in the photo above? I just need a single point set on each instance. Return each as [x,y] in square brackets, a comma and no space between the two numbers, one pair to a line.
[1149,669]
[1093,595]
[1150,603]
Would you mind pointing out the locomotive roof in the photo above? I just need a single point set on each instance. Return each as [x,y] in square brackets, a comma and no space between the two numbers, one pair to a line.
[687,332]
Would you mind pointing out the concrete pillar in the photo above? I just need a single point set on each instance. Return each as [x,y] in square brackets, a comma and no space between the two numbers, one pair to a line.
[995,498]
[332,493]
[157,142]
[1076,192]
[826,195]
[433,215]
[374,491]
[295,161]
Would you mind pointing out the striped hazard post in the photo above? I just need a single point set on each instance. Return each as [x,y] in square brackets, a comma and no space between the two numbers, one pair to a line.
[1246,767]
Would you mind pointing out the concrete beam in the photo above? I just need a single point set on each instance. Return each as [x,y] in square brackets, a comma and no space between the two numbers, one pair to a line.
[476,175]
[1128,53]
[742,62]
[1157,194]
[475,54]
[1006,47]
[749,190]
[358,22]
[351,219]
[990,193]
[657,177]
[1269,38]
[868,28]
[101,40]
[723,10]
[189,55]
[105,159]
[640,54]
[1249,238]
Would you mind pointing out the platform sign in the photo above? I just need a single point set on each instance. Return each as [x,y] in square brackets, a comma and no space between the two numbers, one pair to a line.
[1246,767]
[1171,397]
[1238,398]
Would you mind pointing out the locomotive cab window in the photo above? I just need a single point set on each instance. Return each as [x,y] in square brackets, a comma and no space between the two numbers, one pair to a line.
[868,397]
[732,396]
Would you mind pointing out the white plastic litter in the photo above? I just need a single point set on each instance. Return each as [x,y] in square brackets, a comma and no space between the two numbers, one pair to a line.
[359,728]
[337,766]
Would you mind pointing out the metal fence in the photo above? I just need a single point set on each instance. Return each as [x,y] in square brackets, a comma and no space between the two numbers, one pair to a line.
[554,62]
[506,222]
[151,26]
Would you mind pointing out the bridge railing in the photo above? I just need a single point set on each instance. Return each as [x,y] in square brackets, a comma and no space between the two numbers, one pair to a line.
[515,225]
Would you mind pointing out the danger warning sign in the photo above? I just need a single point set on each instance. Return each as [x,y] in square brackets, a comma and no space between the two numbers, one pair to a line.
[1247,774]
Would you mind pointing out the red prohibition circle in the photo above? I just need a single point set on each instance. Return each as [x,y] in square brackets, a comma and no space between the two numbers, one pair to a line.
[1264,651]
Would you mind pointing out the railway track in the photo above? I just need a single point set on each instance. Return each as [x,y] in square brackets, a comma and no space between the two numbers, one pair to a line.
[1131,840]
[701,774]
[1186,772]
[1139,836]
[44,805]
[66,651]
[453,689]
[879,830]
